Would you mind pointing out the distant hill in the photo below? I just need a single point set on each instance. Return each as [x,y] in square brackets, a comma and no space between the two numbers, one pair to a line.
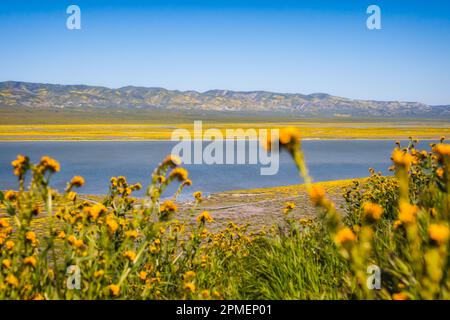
[36,95]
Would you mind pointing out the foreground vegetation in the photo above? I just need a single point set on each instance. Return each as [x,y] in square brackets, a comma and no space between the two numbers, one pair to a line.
[124,248]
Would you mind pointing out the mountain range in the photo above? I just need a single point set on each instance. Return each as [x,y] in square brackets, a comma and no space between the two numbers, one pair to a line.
[15,94]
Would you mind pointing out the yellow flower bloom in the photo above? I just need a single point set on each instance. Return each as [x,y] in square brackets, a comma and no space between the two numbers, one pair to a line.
[96,210]
[48,163]
[317,194]
[31,236]
[345,235]
[142,275]
[9,244]
[20,165]
[30,261]
[443,149]
[99,273]
[130,255]
[61,235]
[290,205]
[402,159]
[172,160]
[187,183]
[114,290]
[289,135]
[77,181]
[131,234]
[180,174]
[205,294]
[12,280]
[440,172]
[112,224]
[407,212]
[204,217]
[372,211]
[38,296]
[78,243]
[4,223]
[438,233]
[6,263]
[154,249]
[197,195]
[168,207]
[136,186]
[189,286]
[11,195]
[400,296]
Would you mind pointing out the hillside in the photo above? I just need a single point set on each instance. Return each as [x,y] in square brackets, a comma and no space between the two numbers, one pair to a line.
[36,95]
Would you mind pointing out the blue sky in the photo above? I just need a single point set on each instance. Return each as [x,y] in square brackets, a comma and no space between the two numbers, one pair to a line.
[284,46]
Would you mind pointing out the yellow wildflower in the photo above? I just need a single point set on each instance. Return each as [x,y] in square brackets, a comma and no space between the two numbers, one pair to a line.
[114,290]
[131,234]
[130,255]
[112,224]
[197,195]
[4,223]
[204,217]
[48,163]
[402,159]
[172,160]
[12,280]
[77,181]
[317,195]
[400,296]
[167,208]
[6,263]
[31,236]
[443,149]
[30,261]
[96,210]
[189,286]
[407,212]
[142,275]
[20,165]
[372,211]
[99,273]
[438,233]
[38,296]
[205,294]
[9,244]
[289,135]
[180,174]
[154,249]
[345,235]
[11,195]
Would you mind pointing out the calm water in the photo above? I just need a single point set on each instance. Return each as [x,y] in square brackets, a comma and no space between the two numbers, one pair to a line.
[98,161]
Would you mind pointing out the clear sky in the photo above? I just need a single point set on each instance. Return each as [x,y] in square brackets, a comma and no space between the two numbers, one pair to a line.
[283,46]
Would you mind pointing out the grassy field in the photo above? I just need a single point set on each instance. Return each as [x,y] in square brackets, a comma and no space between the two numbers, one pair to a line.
[94,124]
[309,129]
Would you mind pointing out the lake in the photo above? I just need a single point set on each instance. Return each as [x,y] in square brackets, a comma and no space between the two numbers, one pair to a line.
[97,161]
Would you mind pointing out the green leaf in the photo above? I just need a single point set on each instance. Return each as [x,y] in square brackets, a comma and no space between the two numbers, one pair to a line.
[2,196]
[11,210]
